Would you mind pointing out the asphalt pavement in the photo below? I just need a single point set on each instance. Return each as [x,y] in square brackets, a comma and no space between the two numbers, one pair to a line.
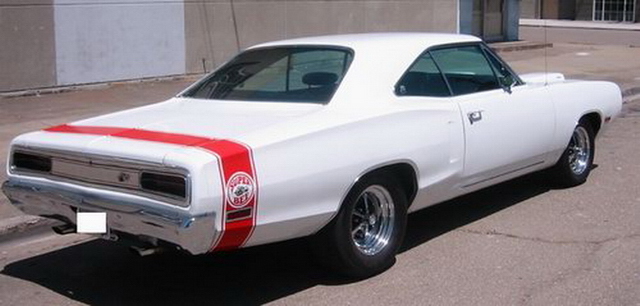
[522,242]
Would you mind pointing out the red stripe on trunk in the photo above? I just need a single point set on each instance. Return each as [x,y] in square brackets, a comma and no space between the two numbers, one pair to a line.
[94,130]
[240,190]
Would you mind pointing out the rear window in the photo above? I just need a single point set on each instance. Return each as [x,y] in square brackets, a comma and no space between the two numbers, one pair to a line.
[285,74]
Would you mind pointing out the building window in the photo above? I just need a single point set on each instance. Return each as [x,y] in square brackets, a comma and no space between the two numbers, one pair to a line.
[614,10]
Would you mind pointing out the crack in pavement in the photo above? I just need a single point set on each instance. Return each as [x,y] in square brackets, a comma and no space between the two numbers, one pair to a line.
[586,264]
[542,240]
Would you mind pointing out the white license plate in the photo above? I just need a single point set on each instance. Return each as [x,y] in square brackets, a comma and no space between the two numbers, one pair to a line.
[91,222]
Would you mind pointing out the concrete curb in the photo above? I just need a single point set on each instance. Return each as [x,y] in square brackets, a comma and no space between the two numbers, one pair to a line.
[578,24]
[92,86]
[22,224]
[521,45]
[630,92]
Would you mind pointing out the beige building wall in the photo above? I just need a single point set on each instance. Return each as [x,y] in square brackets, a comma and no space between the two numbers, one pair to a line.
[211,32]
[217,29]
[27,51]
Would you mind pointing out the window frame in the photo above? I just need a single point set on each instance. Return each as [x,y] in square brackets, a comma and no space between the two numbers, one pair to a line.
[415,61]
[490,53]
[485,51]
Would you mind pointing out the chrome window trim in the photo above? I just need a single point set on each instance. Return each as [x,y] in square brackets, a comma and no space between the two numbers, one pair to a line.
[106,162]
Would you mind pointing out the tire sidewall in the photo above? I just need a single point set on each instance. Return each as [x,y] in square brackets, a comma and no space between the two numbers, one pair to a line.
[566,176]
[357,263]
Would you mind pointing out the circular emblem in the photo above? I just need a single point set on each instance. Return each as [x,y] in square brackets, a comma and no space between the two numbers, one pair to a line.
[240,189]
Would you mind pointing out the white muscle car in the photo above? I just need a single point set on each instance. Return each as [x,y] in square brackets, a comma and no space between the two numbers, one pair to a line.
[335,137]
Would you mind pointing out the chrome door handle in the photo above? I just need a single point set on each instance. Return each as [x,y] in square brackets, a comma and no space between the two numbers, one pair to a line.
[475,116]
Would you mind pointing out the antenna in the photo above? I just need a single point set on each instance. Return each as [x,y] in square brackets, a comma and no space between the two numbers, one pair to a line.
[546,71]
[235,24]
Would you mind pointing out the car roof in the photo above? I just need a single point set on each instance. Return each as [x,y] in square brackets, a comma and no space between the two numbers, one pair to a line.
[379,62]
[384,39]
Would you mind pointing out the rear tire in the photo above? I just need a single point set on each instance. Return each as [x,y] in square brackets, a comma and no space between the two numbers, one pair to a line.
[576,162]
[364,237]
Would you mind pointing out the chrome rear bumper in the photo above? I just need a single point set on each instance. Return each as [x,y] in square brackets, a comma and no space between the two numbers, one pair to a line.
[138,217]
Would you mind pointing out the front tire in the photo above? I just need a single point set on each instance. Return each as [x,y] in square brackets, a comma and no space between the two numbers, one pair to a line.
[364,237]
[576,162]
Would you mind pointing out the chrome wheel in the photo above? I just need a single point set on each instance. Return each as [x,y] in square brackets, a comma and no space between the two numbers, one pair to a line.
[372,220]
[579,151]
[364,237]
[574,165]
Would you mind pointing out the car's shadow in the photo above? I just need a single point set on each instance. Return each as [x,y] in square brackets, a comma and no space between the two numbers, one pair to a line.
[100,272]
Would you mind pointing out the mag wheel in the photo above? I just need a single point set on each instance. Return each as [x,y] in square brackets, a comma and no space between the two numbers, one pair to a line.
[364,237]
[575,164]
[372,220]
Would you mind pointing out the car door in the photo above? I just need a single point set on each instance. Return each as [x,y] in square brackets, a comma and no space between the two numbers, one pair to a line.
[508,125]
[423,91]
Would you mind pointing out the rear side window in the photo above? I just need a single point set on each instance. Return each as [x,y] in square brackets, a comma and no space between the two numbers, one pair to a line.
[423,79]
[466,69]
[284,74]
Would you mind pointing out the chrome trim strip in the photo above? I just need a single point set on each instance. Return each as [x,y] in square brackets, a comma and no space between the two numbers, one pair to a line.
[64,163]
[503,174]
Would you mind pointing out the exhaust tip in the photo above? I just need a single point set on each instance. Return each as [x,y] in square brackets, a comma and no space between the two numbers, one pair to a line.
[64,229]
[146,251]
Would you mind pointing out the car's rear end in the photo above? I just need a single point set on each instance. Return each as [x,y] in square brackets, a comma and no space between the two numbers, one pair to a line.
[144,187]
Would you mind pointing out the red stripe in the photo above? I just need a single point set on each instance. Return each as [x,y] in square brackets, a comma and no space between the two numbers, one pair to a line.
[179,139]
[95,130]
[171,138]
[235,159]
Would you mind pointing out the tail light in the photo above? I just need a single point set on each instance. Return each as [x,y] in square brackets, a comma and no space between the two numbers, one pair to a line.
[31,162]
[168,184]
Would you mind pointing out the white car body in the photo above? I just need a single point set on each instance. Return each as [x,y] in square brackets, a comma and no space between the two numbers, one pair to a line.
[304,157]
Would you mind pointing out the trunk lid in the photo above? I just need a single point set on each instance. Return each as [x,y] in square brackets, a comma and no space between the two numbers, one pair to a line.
[190,117]
[205,118]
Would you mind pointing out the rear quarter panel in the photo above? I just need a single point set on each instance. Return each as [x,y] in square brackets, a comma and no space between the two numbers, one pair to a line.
[304,178]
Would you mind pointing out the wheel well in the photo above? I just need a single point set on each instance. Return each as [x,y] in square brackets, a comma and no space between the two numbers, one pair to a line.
[404,173]
[594,120]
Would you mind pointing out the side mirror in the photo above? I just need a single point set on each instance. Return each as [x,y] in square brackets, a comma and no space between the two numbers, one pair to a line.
[507,83]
